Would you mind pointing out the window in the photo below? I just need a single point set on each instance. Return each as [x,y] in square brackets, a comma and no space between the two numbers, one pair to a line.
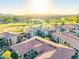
[10,41]
[25,54]
[30,54]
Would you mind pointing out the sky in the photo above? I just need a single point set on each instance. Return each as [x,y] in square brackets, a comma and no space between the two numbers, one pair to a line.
[21,7]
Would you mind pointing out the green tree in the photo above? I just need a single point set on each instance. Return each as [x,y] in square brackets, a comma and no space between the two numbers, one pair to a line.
[14,55]
[73,19]
[1,57]
[8,20]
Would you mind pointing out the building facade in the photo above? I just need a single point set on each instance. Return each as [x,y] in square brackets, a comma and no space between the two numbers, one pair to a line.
[38,48]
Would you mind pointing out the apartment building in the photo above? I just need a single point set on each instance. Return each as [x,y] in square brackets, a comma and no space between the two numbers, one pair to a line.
[39,48]
[10,37]
[67,37]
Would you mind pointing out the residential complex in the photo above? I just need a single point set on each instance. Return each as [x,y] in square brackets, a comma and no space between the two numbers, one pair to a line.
[73,41]
[57,42]
[39,29]
[39,48]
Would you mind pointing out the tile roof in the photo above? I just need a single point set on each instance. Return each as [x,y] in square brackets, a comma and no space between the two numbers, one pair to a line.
[44,46]
[72,40]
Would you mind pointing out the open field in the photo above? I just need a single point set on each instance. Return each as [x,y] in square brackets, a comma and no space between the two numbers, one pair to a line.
[10,24]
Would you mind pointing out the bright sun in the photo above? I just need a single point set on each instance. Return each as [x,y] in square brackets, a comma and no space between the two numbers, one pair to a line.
[39,6]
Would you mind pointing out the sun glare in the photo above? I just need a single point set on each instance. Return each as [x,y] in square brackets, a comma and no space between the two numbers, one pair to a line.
[39,6]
